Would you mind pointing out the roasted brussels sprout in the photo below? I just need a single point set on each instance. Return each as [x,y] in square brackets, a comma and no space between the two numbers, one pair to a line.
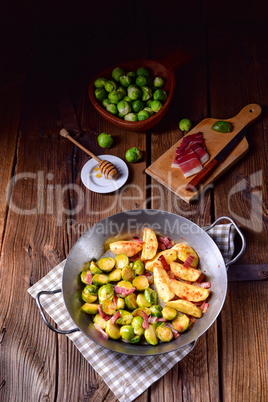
[101,322]
[94,268]
[131,301]
[138,267]
[128,274]
[140,283]
[108,307]
[143,71]
[106,264]
[143,115]
[150,296]
[125,284]
[181,322]
[115,275]
[112,330]
[136,339]
[127,332]
[159,82]
[90,308]
[121,261]
[137,325]
[150,335]
[131,117]
[110,86]
[106,292]
[156,311]
[125,318]
[169,313]
[133,92]
[89,293]
[156,105]
[86,277]
[111,108]
[100,82]
[138,311]
[164,334]
[115,96]
[123,107]
[120,305]
[141,301]
[117,73]
[126,80]
[100,94]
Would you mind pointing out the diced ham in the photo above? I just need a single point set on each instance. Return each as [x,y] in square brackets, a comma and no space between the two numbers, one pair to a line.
[149,277]
[204,307]
[145,323]
[114,317]
[164,263]
[201,278]
[101,312]
[200,152]
[188,162]
[101,331]
[115,301]
[171,274]
[205,285]
[188,261]
[152,319]
[165,240]
[123,291]
[161,319]
[161,246]
[89,277]
[138,240]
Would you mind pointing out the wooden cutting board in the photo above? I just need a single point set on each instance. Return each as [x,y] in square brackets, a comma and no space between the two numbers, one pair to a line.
[173,178]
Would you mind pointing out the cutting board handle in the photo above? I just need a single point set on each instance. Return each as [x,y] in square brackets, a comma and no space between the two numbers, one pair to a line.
[248,115]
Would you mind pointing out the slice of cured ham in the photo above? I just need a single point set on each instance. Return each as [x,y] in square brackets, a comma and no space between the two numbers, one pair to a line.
[188,162]
[200,152]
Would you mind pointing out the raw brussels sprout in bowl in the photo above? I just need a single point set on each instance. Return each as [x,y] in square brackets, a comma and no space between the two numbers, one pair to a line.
[138,83]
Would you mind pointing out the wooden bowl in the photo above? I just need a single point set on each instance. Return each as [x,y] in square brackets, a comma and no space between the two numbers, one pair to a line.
[163,69]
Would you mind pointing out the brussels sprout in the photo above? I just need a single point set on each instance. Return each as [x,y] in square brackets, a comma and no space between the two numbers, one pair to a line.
[160,95]
[159,82]
[222,127]
[185,125]
[123,107]
[111,108]
[138,267]
[112,330]
[137,105]
[122,90]
[164,333]
[108,307]
[115,275]
[100,94]
[156,105]
[133,92]
[117,73]
[106,264]
[120,304]
[150,295]
[105,140]
[131,117]
[94,268]
[84,277]
[126,80]
[149,102]
[131,301]
[138,311]
[140,283]
[115,96]
[143,71]
[89,293]
[101,322]
[90,308]
[106,292]
[146,93]
[125,318]
[120,115]
[156,311]
[125,284]
[127,98]
[142,80]
[143,115]
[181,322]
[121,260]
[150,335]
[131,74]
[105,102]
[100,82]
[110,86]
[137,325]
[141,301]
[128,274]
[133,154]
[149,110]
[136,339]
[169,313]
[127,332]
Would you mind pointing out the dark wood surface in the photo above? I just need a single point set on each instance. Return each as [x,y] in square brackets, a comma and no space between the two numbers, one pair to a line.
[49,55]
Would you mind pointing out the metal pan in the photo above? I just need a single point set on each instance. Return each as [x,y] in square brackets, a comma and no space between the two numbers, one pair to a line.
[124,225]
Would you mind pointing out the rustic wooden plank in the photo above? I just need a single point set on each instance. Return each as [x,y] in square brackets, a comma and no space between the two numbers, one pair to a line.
[247,272]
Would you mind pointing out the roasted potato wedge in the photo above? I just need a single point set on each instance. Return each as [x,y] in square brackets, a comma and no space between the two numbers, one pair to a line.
[128,247]
[188,292]
[161,280]
[186,307]
[187,274]
[170,255]
[150,244]
[183,251]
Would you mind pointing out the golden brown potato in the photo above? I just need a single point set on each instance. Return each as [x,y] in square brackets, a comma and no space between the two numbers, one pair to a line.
[161,280]
[187,274]
[183,251]
[150,244]
[170,255]
[128,247]
[188,292]
[185,307]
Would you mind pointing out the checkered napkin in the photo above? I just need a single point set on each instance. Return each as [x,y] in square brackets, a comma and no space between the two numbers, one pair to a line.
[127,376]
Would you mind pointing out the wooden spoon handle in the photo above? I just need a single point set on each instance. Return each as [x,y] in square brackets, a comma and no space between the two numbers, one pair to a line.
[64,133]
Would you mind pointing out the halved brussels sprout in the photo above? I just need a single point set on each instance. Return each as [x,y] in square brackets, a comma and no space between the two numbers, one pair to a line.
[101,322]
[150,296]
[115,275]
[146,93]
[100,94]
[143,115]
[138,267]
[100,279]
[127,332]
[123,107]
[128,274]
[141,301]
[156,311]
[136,339]
[181,322]
[89,293]
[106,292]
[115,96]
[156,105]
[121,261]
[90,308]
[108,307]
[117,73]
[169,313]
[131,117]
[111,108]
[125,318]
[138,311]
[143,71]
[159,82]
[120,305]
[131,301]
[164,333]
[125,284]
[140,283]
[112,330]
[150,336]
[106,264]
[94,268]
[100,82]
[160,95]
[133,92]
[85,278]
[110,86]
[137,325]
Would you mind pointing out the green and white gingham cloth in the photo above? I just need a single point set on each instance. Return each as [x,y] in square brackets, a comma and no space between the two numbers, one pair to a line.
[126,376]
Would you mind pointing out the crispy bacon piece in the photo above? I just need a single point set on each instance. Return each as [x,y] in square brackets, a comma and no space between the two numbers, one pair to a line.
[164,263]
[145,323]
[188,261]
[89,277]
[204,307]
[201,278]
[105,316]
[124,291]
[175,333]
[114,317]
[101,331]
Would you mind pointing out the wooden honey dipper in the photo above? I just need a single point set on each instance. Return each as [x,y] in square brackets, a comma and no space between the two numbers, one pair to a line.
[107,168]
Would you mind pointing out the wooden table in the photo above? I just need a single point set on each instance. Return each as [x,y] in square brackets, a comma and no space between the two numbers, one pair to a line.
[50,54]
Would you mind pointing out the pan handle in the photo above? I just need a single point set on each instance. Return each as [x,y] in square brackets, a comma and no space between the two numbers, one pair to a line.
[38,302]
[243,247]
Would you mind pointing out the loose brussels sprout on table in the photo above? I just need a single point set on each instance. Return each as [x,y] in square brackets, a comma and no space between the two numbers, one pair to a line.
[133,87]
